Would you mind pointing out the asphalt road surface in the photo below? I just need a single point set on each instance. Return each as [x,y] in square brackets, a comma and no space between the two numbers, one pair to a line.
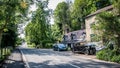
[47,58]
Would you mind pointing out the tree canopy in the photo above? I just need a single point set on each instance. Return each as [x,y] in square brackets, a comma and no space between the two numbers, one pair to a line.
[36,30]
[11,12]
[62,17]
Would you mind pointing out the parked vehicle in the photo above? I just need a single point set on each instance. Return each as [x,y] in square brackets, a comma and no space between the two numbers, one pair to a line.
[98,45]
[85,48]
[60,47]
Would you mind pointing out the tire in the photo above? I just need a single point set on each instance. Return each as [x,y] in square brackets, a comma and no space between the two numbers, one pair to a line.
[94,51]
[58,49]
[87,52]
[73,50]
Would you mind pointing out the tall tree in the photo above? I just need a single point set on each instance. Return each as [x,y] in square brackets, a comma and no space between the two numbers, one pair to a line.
[81,8]
[61,16]
[56,33]
[37,28]
[10,11]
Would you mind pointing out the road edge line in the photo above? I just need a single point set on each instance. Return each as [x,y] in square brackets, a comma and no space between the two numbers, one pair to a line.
[24,59]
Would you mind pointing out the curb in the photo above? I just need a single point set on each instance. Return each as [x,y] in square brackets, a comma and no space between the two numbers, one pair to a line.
[24,59]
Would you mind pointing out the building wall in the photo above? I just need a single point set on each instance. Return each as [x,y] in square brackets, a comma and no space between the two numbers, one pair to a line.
[89,31]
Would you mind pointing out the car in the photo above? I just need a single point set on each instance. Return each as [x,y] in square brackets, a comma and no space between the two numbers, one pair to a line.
[85,48]
[60,47]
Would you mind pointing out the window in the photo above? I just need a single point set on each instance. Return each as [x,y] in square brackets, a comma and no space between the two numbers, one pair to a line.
[65,37]
[73,36]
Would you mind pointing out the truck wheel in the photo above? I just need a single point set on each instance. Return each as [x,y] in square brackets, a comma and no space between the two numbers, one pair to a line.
[87,52]
[94,51]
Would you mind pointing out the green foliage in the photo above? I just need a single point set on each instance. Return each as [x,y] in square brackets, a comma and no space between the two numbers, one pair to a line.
[11,12]
[108,24]
[19,41]
[38,30]
[116,4]
[116,59]
[62,16]
[56,33]
[32,45]
[73,16]
[9,37]
[81,8]
[105,54]
[109,55]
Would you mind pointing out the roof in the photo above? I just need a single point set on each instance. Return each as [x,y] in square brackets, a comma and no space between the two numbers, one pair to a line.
[78,32]
[77,39]
[100,10]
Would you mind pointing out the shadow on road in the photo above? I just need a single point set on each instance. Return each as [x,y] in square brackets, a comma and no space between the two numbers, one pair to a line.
[43,52]
[14,60]
[73,64]
[64,62]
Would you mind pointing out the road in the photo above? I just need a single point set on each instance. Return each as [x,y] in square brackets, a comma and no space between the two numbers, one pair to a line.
[47,58]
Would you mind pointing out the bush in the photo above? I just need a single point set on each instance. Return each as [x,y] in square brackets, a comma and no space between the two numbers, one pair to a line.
[32,45]
[116,59]
[109,55]
[104,55]
[19,41]
[48,45]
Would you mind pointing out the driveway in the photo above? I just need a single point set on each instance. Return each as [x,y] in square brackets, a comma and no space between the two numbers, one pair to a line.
[47,58]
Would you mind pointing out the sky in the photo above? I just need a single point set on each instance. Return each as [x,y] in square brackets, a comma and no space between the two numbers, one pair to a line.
[53,3]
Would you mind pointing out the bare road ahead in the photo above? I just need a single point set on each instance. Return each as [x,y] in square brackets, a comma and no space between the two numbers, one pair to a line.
[47,58]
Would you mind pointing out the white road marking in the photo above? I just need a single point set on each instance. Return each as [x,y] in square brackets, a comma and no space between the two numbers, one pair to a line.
[24,59]
[74,65]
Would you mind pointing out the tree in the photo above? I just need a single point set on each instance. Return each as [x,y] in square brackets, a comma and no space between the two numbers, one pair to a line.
[81,8]
[62,17]
[10,11]
[56,33]
[36,30]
